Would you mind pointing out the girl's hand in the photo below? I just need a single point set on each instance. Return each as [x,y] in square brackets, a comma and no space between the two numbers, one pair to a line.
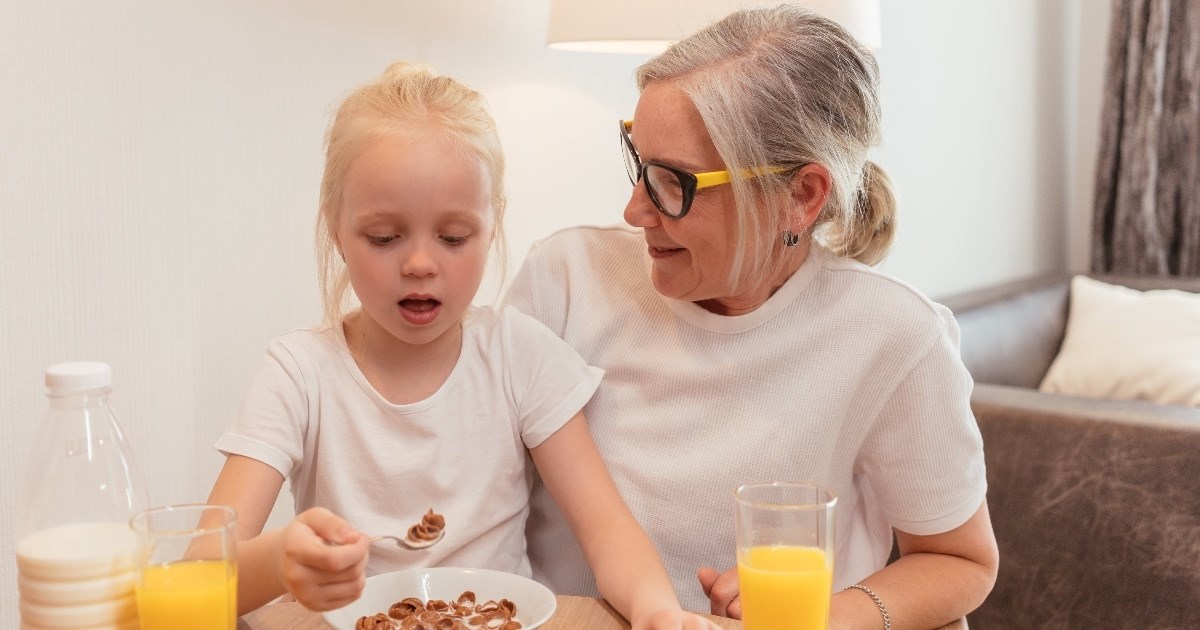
[321,560]
[722,590]
[673,620]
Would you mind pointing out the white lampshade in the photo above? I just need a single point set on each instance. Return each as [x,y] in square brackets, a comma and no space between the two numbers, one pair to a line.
[648,26]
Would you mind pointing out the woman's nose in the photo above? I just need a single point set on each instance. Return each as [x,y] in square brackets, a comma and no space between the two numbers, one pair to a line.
[640,211]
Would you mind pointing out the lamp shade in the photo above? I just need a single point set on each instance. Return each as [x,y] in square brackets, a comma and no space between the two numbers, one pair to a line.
[648,26]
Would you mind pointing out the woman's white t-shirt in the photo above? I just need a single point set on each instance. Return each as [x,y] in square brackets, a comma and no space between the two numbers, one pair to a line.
[844,376]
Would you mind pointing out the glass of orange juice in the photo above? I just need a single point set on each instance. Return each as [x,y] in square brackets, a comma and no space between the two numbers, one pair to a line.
[785,555]
[187,567]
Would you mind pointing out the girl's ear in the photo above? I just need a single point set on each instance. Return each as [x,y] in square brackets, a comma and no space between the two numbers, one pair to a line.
[809,191]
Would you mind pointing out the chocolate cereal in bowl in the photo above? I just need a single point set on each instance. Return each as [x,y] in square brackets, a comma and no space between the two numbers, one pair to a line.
[446,597]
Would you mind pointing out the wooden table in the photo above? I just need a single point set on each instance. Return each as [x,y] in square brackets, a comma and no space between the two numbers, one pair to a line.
[573,613]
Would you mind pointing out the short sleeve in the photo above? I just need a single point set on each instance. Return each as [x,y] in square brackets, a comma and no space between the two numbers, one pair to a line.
[550,382]
[924,455]
[274,415]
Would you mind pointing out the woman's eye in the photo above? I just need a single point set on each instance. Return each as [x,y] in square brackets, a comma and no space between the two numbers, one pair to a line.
[454,240]
[381,240]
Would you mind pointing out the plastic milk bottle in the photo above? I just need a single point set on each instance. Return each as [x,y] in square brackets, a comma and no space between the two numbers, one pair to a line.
[75,549]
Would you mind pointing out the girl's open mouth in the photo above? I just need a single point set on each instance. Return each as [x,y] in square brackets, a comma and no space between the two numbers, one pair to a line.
[420,312]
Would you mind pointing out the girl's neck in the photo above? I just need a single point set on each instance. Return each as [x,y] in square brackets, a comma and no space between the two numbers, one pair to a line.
[402,373]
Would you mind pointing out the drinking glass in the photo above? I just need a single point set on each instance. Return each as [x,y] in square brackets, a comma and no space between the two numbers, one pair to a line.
[785,555]
[187,577]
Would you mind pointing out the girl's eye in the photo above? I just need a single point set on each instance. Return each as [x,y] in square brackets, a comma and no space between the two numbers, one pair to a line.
[454,240]
[381,240]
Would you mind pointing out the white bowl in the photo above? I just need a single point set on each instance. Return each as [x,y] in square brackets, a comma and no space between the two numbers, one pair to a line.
[535,603]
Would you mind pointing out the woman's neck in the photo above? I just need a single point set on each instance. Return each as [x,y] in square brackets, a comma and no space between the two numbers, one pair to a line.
[749,301]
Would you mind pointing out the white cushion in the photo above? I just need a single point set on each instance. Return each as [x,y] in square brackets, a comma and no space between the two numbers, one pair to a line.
[1123,344]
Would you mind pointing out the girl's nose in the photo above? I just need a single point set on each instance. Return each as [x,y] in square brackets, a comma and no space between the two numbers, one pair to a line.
[419,262]
[640,211]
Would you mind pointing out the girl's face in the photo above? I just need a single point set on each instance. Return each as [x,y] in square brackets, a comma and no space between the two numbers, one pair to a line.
[416,224]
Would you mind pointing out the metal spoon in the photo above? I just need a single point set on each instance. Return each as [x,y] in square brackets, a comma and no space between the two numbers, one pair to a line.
[411,543]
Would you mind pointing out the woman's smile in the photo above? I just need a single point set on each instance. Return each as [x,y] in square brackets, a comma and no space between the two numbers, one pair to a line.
[663,252]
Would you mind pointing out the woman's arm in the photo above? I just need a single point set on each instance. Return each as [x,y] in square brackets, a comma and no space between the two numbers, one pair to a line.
[938,579]
[627,567]
[294,559]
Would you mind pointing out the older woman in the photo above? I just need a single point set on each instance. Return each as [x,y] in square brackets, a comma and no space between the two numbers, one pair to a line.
[745,336]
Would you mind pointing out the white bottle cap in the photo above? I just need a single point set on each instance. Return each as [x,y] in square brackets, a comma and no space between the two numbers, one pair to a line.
[79,376]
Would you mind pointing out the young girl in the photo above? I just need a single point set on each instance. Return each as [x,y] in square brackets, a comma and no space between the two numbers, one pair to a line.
[417,399]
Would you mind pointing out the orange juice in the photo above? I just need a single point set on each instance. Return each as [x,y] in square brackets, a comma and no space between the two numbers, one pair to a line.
[784,588]
[188,595]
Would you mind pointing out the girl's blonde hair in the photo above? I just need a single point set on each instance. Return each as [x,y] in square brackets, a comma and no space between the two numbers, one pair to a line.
[786,87]
[407,100]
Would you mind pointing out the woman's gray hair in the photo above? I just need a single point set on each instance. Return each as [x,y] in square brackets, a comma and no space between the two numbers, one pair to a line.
[786,87]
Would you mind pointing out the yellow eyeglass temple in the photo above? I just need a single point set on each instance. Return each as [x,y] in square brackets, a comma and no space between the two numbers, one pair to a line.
[716,178]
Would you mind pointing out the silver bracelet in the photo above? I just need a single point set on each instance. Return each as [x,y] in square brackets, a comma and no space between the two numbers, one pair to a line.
[887,620]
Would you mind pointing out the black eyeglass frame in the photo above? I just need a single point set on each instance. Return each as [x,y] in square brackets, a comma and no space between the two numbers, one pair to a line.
[689,183]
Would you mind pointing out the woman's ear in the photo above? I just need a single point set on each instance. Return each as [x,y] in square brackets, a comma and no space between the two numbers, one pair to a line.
[810,189]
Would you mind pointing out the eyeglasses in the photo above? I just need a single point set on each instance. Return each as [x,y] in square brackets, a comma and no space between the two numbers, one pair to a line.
[672,189]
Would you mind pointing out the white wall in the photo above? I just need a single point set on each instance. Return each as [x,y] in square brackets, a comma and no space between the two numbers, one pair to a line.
[159,165]
[1089,33]
[974,136]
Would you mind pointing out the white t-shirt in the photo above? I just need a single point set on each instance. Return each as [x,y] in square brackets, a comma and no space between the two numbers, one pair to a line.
[312,415]
[844,376]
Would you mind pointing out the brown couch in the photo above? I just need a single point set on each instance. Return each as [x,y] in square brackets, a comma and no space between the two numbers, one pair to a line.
[1095,503]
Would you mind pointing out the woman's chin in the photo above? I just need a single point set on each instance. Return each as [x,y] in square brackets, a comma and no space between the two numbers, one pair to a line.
[669,286]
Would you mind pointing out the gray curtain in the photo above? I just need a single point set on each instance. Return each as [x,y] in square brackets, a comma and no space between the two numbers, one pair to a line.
[1147,214]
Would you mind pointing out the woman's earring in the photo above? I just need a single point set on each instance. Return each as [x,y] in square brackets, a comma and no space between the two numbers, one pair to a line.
[790,238]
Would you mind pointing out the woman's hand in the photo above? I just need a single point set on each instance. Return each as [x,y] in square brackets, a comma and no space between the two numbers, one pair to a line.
[672,620]
[722,590]
[321,560]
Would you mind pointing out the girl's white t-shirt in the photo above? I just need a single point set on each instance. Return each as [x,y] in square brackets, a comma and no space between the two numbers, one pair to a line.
[311,414]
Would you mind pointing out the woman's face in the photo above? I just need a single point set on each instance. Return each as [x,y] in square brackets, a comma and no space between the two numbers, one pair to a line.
[692,256]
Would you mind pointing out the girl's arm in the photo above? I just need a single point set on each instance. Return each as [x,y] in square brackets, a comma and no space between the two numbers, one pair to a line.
[628,570]
[294,559]
[938,579]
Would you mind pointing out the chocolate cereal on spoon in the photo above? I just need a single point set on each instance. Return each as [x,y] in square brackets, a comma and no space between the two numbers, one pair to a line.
[423,535]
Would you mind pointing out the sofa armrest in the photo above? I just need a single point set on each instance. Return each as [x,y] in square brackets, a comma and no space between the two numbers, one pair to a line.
[1004,401]
[1096,509]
